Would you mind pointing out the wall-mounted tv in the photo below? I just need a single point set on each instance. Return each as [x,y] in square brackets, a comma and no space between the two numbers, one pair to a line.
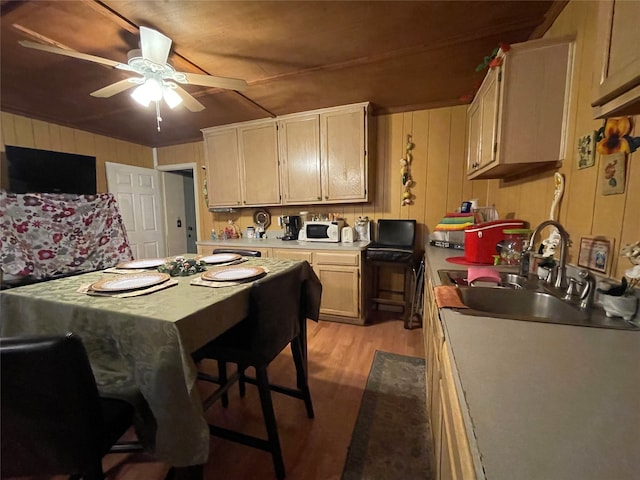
[30,170]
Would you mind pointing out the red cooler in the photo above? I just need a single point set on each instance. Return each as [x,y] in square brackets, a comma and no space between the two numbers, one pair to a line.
[480,240]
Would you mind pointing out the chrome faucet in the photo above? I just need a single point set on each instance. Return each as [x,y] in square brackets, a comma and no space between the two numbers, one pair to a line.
[564,243]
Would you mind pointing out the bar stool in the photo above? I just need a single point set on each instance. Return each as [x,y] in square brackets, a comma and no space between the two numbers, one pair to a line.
[395,247]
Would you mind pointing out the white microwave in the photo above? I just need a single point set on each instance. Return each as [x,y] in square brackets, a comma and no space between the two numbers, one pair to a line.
[321,231]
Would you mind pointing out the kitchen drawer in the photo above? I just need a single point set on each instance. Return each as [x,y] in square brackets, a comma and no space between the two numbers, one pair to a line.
[351,259]
[293,254]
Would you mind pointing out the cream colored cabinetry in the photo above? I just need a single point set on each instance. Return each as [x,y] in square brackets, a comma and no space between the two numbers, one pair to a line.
[223,167]
[341,278]
[299,138]
[456,455]
[618,92]
[324,155]
[258,149]
[452,451]
[242,165]
[344,154]
[517,121]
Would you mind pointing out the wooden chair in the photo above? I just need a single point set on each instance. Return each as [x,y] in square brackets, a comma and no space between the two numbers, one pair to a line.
[53,419]
[274,322]
[239,251]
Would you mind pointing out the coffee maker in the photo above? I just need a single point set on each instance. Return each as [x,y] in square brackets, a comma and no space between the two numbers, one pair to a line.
[292,226]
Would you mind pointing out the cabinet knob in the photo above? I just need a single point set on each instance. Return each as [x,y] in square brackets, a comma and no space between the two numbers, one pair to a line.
[319,198]
[326,197]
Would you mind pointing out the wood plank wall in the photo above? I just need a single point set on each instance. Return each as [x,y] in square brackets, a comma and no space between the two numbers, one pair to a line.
[438,166]
[584,211]
[26,132]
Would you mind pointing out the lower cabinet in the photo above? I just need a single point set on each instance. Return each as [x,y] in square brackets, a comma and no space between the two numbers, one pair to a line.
[341,278]
[341,273]
[452,453]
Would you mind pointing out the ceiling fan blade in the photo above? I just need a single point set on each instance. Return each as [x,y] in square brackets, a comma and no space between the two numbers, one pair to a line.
[74,54]
[189,101]
[154,45]
[114,88]
[213,81]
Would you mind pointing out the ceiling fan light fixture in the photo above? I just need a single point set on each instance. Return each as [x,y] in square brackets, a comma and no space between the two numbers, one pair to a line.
[141,96]
[171,97]
[149,91]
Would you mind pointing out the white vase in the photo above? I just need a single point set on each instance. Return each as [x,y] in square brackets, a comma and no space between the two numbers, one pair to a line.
[624,306]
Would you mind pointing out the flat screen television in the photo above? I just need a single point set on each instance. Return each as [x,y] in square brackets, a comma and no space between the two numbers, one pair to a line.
[30,170]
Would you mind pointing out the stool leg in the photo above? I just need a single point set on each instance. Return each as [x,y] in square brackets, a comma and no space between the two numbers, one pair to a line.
[406,296]
[270,420]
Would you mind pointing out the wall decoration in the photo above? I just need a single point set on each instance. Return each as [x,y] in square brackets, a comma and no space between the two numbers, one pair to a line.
[614,173]
[553,240]
[587,150]
[595,253]
[613,136]
[405,171]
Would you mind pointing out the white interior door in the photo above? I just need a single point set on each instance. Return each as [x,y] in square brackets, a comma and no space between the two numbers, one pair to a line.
[139,196]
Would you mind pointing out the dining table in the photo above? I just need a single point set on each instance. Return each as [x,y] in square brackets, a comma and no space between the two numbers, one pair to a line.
[145,342]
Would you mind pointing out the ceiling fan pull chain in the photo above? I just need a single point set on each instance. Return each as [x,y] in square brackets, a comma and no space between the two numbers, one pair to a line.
[158,117]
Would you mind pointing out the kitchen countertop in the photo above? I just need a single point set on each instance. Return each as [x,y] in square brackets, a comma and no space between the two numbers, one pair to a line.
[546,401]
[278,243]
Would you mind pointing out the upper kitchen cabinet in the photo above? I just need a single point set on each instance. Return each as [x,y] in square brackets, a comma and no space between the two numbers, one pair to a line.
[324,155]
[299,139]
[618,92]
[343,149]
[517,121]
[258,148]
[223,167]
[242,164]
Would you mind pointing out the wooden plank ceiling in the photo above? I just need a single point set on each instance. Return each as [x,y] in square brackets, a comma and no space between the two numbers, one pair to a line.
[295,56]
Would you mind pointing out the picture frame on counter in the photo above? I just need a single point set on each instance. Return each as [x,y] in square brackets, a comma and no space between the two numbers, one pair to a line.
[595,253]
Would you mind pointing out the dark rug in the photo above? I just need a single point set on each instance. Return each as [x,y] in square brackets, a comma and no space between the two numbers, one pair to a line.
[391,437]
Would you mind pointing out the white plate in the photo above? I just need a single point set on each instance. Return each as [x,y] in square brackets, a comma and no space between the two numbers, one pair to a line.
[145,263]
[233,274]
[130,281]
[220,258]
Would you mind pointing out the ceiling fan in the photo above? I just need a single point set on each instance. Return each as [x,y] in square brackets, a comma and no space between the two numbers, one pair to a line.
[158,80]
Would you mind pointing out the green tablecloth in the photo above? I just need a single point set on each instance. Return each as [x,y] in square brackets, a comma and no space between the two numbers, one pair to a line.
[143,342]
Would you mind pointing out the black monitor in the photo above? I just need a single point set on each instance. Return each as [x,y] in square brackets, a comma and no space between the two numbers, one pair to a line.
[30,170]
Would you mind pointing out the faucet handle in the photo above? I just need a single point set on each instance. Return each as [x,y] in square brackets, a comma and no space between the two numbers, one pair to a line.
[588,283]
[571,289]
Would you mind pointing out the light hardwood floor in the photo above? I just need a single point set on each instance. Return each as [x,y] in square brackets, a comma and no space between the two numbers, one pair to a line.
[340,357]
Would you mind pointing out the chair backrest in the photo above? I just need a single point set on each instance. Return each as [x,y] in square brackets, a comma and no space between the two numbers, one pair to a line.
[51,414]
[239,251]
[275,314]
[397,233]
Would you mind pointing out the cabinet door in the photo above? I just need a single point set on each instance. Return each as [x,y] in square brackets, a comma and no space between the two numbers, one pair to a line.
[482,122]
[258,145]
[293,254]
[619,87]
[343,154]
[299,140]
[454,432]
[474,132]
[340,290]
[223,168]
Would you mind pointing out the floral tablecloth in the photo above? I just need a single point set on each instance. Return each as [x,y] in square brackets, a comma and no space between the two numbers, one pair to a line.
[45,234]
